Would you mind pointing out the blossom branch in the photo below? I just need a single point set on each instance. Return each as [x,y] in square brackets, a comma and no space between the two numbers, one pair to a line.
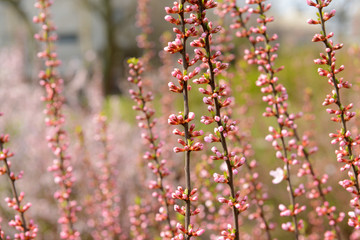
[143,21]
[106,198]
[24,230]
[343,114]
[217,98]
[264,57]
[255,187]
[57,140]
[301,144]
[139,215]
[155,164]
[188,133]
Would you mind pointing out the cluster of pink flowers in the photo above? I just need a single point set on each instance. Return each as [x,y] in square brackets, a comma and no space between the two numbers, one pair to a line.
[182,211]
[25,230]
[186,11]
[140,221]
[217,98]
[345,154]
[104,207]
[153,157]
[265,56]
[255,192]
[144,23]
[223,41]
[57,138]
[277,96]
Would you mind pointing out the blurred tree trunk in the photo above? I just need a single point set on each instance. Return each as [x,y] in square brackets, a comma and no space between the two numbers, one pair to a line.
[30,46]
[18,9]
[16,6]
[111,51]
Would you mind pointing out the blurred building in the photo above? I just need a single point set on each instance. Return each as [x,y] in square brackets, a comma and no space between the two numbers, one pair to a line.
[80,27]
[345,24]
[85,26]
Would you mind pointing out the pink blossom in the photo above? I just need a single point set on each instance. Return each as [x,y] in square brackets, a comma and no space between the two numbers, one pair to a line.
[278,175]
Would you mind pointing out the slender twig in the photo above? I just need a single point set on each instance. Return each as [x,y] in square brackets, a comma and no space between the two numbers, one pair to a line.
[142,99]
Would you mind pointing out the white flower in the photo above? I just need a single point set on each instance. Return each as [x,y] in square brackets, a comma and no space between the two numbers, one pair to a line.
[278,175]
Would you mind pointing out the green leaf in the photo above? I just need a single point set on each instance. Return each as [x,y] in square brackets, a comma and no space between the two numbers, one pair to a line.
[225,174]
[137,200]
[268,47]
[180,217]
[133,61]
[334,96]
[186,191]
[78,129]
[291,207]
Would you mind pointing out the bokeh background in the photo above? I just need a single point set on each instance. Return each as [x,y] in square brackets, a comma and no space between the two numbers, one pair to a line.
[96,37]
[106,30]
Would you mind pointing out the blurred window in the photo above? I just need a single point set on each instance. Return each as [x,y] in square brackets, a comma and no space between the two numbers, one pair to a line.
[67,38]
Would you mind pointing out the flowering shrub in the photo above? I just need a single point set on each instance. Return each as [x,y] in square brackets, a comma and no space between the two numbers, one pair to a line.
[57,139]
[345,154]
[24,229]
[197,163]
[157,165]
